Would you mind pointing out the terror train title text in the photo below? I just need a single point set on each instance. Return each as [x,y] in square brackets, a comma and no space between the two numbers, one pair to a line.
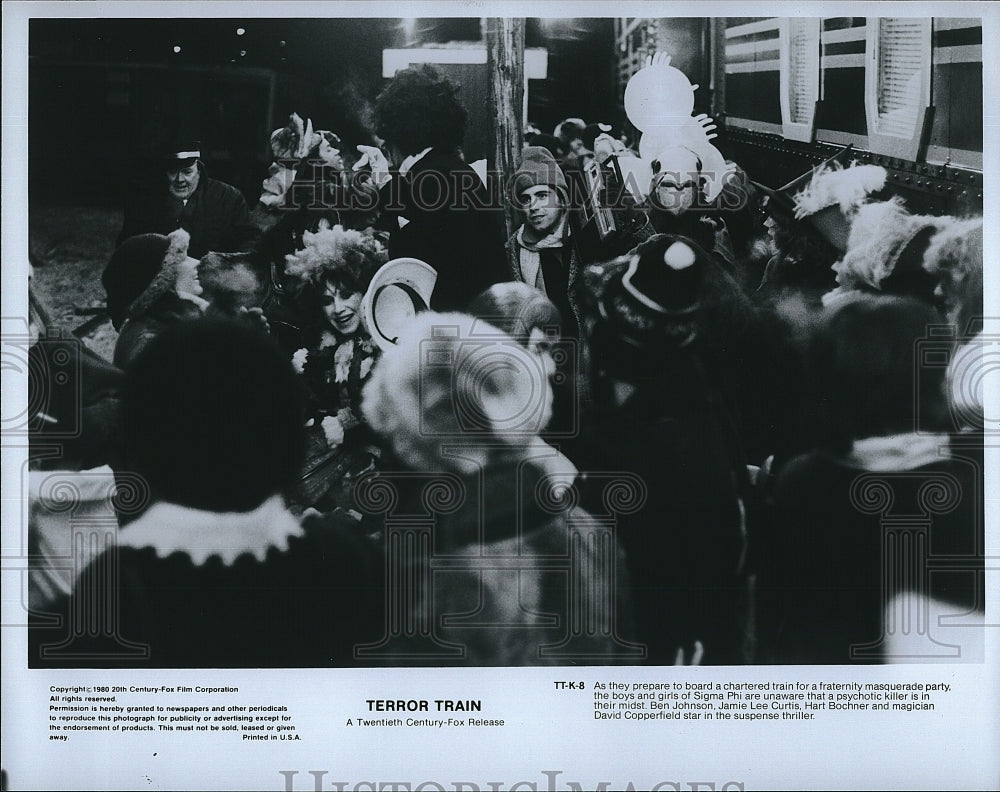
[424,705]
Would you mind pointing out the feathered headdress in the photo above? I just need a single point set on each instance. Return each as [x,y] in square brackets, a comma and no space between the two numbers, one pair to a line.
[337,251]
[833,185]
[294,140]
[957,250]
[825,198]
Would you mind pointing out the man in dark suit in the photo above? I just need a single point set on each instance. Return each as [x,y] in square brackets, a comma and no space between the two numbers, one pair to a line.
[436,206]
[212,212]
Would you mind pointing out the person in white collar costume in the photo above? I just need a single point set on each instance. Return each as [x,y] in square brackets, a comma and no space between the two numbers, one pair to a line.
[871,514]
[217,572]
[434,204]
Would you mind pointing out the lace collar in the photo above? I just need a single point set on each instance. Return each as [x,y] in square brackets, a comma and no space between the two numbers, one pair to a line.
[170,528]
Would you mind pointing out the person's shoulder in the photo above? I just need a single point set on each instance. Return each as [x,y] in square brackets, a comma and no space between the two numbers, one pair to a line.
[813,468]
[340,534]
[221,190]
[438,155]
[135,334]
[447,161]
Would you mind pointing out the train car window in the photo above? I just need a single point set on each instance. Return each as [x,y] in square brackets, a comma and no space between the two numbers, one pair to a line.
[897,84]
[800,77]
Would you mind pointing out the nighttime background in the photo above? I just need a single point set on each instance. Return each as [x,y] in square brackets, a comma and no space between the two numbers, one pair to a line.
[106,94]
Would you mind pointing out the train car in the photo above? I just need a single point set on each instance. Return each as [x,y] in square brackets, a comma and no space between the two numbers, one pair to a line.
[787,93]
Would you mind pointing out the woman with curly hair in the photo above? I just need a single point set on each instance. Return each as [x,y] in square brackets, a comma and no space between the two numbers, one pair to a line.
[335,267]
[435,204]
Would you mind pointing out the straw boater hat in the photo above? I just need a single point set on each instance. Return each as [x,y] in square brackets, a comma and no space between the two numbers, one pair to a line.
[400,290]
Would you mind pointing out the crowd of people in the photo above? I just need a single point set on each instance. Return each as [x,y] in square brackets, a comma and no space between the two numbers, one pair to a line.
[655,426]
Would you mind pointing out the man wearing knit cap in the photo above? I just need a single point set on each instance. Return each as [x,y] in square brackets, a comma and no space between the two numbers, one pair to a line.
[543,252]
[539,252]
[212,212]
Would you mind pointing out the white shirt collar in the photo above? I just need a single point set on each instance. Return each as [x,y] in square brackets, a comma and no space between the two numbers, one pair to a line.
[413,159]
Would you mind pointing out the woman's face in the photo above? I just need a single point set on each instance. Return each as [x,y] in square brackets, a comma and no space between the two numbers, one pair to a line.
[187,277]
[331,155]
[342,308]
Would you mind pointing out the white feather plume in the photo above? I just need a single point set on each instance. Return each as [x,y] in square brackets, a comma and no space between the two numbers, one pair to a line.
[846,187]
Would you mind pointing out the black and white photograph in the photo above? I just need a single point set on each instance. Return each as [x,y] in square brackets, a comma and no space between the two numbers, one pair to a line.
[481,400]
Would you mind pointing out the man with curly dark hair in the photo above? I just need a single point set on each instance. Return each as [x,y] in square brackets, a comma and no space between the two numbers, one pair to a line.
[436,205]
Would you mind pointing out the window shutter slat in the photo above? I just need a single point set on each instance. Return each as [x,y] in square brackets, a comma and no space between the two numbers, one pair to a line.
[803,69]
[900,67]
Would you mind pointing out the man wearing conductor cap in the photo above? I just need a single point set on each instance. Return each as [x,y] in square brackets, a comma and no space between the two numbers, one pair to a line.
[212,212]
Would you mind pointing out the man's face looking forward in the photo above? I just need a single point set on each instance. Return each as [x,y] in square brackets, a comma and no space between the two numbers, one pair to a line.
[183,180]
[543,208]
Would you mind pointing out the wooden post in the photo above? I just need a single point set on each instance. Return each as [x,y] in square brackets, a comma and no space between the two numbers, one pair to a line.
[505,67]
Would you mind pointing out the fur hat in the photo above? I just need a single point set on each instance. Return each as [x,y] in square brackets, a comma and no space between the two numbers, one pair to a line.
[650,306]
[517,309]
[142,270]
[885,251]
[955,259]
[230,280]
[538,167]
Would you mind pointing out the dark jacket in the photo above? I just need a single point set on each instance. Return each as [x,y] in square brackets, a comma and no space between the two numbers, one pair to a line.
[216,217]
[305,602]
[138,331]
[569,258]
[683,541]
[846,540]
[451,225]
